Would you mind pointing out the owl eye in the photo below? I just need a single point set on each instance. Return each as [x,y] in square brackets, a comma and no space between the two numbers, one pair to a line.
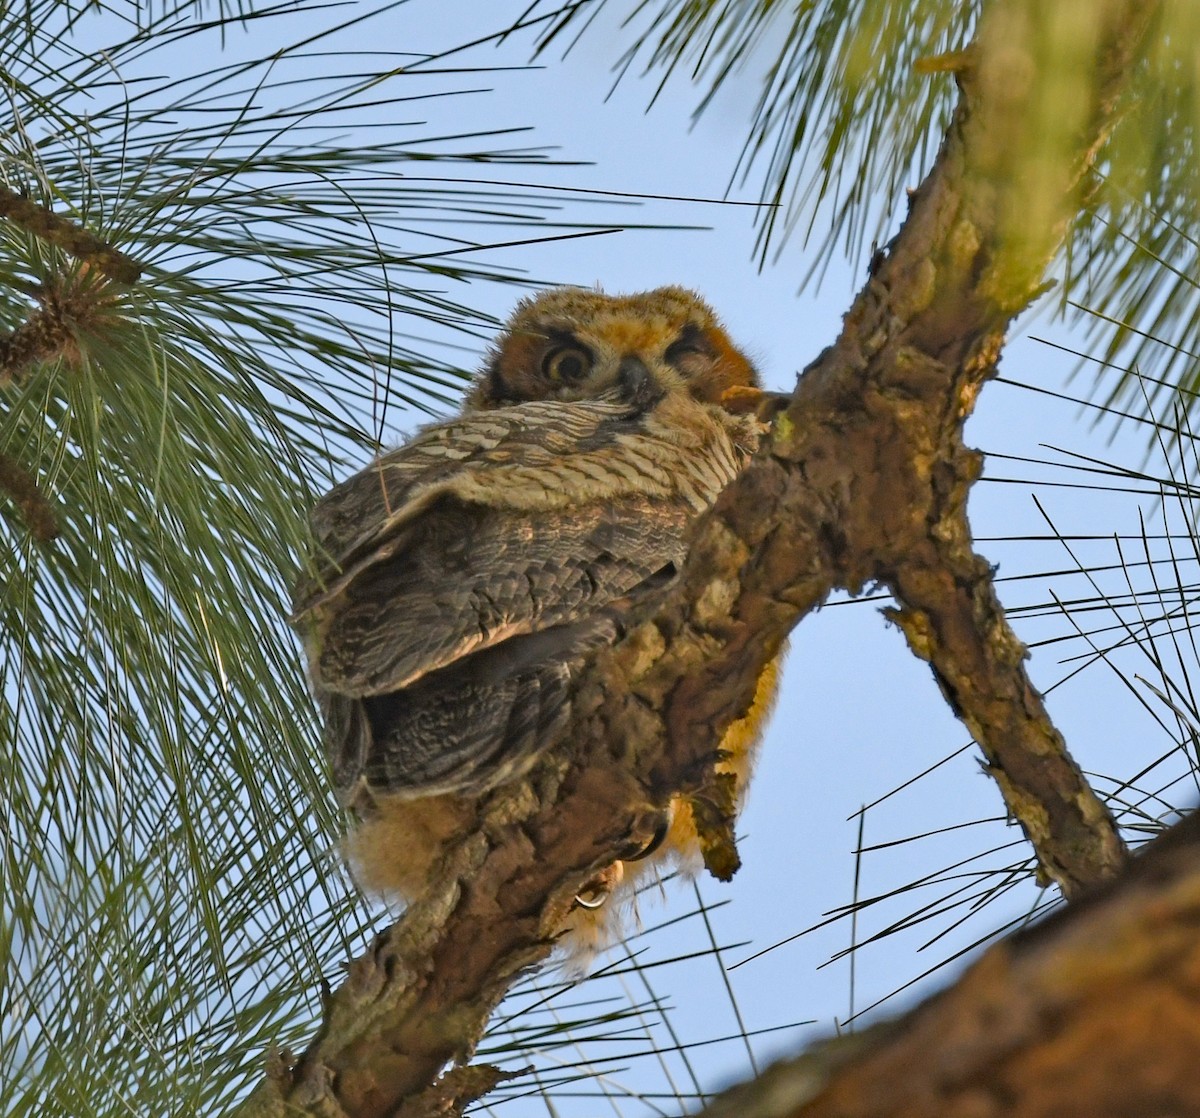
[690,343]
[567,364]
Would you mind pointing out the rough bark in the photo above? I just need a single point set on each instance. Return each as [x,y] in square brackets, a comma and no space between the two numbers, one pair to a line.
[1094,1013]
[863,479]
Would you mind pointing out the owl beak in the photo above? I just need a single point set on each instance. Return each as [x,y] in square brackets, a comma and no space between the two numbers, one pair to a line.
[638,385]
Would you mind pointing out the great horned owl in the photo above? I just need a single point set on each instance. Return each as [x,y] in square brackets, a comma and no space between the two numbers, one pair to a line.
[460,579]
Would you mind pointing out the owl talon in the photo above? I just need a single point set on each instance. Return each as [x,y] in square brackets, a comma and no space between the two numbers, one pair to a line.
[599,888]
[656,840]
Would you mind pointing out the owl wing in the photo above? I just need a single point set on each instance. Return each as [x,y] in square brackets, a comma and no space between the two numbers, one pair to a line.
[464,572]
[353,523]
[499,524]
[485,647]
[462,578]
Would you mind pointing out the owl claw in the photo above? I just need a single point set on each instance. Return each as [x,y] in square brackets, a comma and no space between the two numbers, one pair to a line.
[596,893]
[656,840]
[598,889]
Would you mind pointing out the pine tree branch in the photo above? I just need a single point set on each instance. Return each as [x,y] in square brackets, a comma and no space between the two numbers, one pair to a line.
[65,234]
[866,475]
[860,480]
[951,616]
[33,505]
[44,336]
[71,306]
[1090,1014]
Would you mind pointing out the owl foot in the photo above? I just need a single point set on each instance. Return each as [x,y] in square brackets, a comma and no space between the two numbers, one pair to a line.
[599,888]
[637,853]
[597,891]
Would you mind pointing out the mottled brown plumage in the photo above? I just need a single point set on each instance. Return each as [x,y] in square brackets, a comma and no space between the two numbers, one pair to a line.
[459,580]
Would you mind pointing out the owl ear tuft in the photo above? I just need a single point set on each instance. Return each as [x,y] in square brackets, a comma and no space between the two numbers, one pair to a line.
[492,388]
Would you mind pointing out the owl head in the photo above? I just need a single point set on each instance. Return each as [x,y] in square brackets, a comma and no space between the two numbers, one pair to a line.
[572,343]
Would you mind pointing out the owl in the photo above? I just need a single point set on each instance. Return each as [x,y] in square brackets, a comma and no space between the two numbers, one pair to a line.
[459,582]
